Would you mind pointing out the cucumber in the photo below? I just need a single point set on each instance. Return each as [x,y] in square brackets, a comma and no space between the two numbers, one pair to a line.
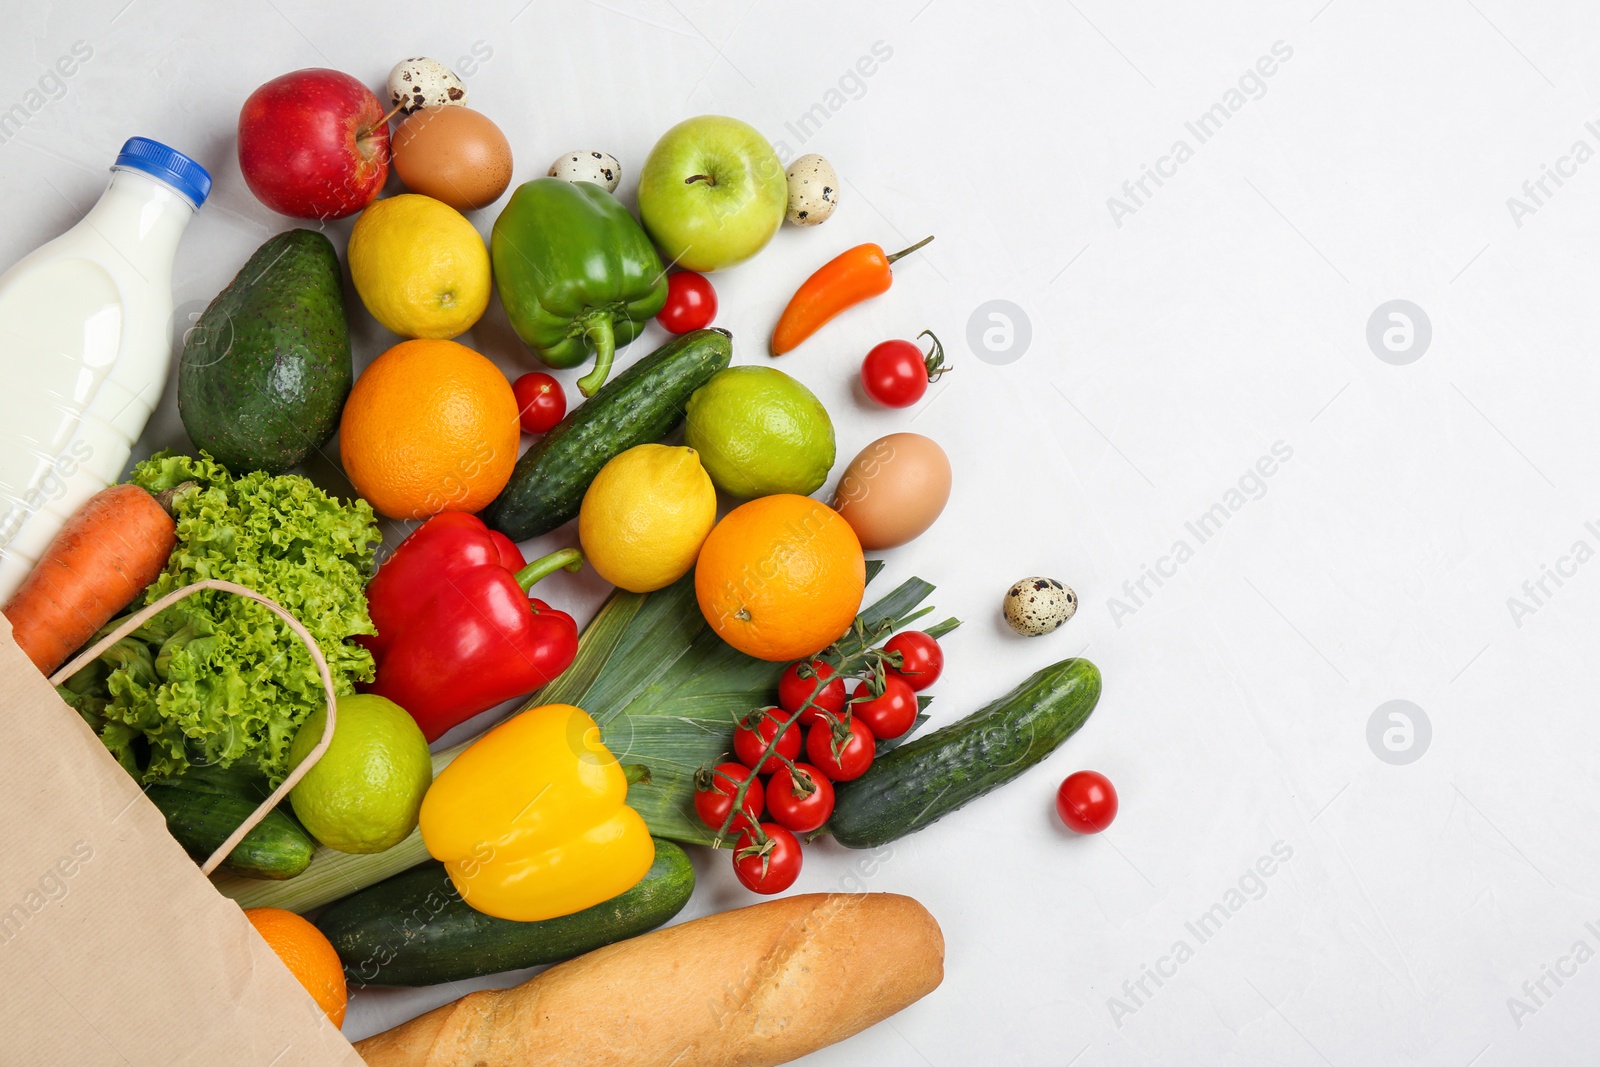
[924,780]
[202,818]
[414,929]
[639,406]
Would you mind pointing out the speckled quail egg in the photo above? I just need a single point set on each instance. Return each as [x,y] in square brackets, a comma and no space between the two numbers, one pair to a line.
[1036,606]
[601,168]
[813,190]
[422,82]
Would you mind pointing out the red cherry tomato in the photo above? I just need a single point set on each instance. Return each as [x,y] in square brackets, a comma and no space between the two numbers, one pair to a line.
[750,740]
[1086,802]
[768,868]
[802,814]
[889,714]
[896,373]
[714,804]
[793,691]
[921,658]
[540,402]
[854,756]
[691,303]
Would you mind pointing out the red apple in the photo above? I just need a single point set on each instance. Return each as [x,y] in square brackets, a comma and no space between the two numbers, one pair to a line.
[314,144]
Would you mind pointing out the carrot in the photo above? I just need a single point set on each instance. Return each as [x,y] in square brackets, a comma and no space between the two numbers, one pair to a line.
[104,556]
[843,282]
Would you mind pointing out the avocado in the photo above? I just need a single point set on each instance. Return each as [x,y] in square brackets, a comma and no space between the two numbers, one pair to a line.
[266,368]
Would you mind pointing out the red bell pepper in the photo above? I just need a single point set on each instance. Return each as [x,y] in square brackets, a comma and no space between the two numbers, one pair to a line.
[457,631]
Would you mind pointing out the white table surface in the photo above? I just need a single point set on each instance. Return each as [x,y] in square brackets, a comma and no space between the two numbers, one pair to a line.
[1172,346]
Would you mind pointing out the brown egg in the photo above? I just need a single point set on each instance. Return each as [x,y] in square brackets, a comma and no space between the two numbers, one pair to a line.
[894,489]
[452,154]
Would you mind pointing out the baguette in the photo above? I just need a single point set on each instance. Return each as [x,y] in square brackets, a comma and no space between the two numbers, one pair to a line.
[753,987]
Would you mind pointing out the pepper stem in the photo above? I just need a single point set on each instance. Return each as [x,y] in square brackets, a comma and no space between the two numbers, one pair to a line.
[568,559]
[605,350]
[908,251]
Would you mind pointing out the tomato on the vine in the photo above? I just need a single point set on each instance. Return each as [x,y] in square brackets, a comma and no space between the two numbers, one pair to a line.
[793,691]
[889,714]
[713,802]
[802,814]
[691,303]
[750,740]
[1086,802]
[540,402]
[769,867]
[921,658]
[896,373]
[854,755]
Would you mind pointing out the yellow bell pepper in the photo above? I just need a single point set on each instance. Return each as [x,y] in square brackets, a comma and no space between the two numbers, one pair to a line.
[532,822]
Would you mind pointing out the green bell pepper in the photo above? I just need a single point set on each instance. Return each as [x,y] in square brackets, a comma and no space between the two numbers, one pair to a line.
[576,273]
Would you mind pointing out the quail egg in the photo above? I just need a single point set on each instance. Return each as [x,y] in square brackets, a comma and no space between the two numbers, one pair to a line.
[813,190]
[1036,606]
[601,168]
[421,82]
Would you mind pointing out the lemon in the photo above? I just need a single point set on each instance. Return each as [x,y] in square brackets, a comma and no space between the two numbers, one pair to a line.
[363,795]
[645,516]
[420,267]
[760,432]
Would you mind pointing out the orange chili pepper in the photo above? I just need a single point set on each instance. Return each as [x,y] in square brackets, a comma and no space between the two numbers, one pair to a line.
[843,282]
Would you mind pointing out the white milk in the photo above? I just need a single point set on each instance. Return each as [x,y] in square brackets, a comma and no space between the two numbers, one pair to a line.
[85,342]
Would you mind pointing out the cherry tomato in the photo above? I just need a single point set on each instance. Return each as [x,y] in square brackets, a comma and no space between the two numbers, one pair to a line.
[802,814]
[793,691]
[714,803]
[691,303]
[750,740]
[896,373]
[768,868]
[854,757]
[889,714]
[1086,802]
[922,660]
[540,401]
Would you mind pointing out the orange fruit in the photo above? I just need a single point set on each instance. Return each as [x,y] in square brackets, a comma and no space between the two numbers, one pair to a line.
[430,426]
[309,956]
[781,577]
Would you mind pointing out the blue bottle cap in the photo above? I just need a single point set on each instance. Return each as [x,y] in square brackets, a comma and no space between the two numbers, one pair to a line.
[169,165]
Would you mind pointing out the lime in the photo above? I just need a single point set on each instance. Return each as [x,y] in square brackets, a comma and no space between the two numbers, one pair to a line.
[645,516]
[759,432]
[363,795]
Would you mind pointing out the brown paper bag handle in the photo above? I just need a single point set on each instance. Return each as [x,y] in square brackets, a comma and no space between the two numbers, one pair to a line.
[138,618]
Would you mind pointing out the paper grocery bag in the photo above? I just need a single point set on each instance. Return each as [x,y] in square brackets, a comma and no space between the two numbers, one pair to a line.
[114,948]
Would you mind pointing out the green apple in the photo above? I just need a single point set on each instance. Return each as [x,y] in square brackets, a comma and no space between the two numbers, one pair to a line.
[712,193]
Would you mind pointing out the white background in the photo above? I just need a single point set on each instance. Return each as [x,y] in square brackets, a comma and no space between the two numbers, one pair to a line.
[1168,354]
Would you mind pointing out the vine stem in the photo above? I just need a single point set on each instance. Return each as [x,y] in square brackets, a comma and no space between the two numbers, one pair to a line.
[850,665]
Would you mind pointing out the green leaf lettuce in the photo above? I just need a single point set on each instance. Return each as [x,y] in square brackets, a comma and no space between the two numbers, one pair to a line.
[217,679]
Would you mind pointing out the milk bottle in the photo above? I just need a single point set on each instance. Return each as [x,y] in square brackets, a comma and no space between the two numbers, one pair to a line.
[85,342]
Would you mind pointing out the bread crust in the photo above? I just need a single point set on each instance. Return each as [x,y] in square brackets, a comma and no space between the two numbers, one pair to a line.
[753,987]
